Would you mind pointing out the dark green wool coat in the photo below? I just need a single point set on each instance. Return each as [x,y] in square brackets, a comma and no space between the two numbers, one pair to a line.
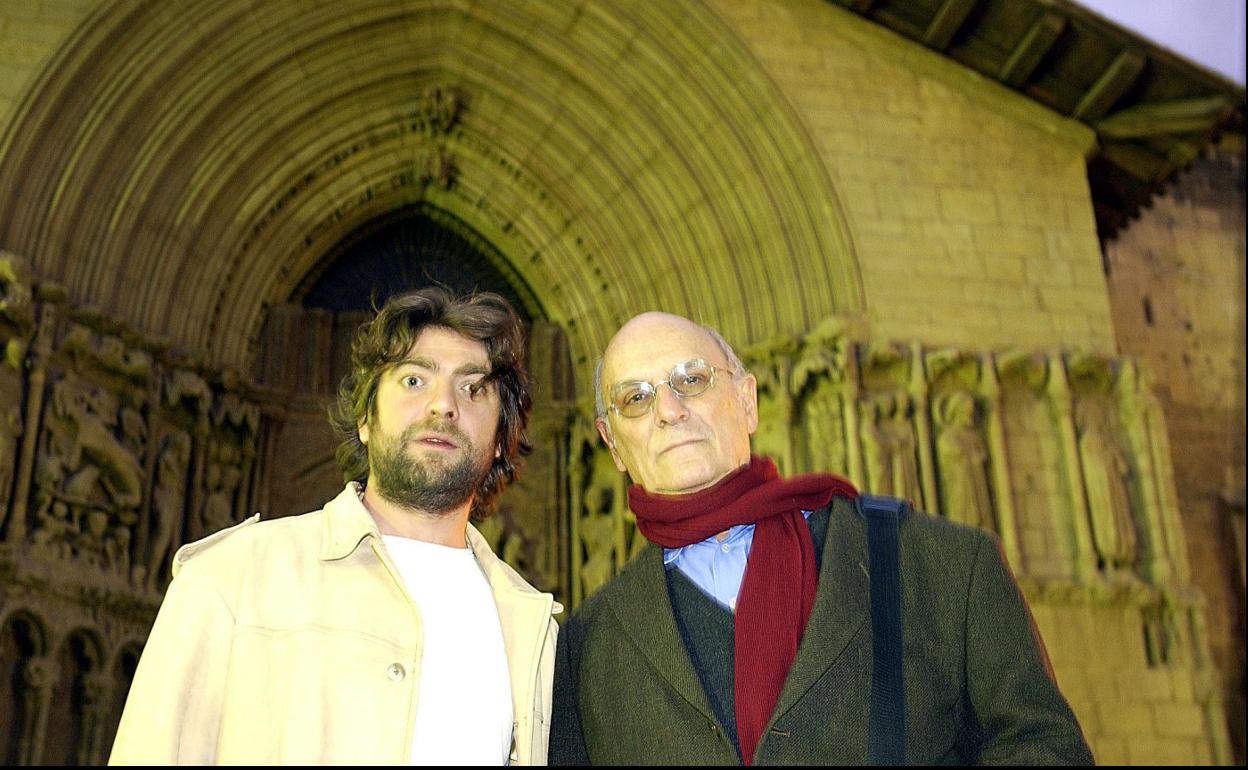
[976,675]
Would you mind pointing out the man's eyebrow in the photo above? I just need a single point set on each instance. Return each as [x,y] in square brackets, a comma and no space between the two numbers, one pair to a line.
[419,361]
[433,366]
[472,369]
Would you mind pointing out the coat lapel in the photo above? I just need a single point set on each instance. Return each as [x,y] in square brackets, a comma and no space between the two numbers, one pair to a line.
[842,602]
[644,608]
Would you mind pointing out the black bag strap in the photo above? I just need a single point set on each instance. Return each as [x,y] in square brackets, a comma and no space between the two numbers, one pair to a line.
[887,736]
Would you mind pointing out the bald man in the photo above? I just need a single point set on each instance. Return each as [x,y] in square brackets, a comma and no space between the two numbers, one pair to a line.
[746,632]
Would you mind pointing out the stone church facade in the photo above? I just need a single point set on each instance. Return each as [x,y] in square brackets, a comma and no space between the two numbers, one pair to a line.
[934,274]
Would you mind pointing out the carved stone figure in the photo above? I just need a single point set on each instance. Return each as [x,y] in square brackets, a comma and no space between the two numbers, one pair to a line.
[597,525]
[54,527]
[54,532]
[168,501]
[890,447]
[772,436]
[222,482]
[117,551]
[823,427]
[89,545]
[1106,478]
[508,539]
[962,457]
[598,535]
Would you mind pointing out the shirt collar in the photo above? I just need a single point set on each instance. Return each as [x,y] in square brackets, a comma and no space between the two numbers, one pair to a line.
[736,534]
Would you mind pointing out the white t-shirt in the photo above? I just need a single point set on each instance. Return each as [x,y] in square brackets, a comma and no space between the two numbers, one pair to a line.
[464,714]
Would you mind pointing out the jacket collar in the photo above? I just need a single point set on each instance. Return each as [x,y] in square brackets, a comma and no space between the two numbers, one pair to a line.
[502,577]
[347,523]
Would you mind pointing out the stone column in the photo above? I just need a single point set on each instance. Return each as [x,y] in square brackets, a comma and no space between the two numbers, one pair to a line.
[36,678]
[95,697]
[1129,395]
[923,430]
[1002,485]
[40,352]
[1062,401]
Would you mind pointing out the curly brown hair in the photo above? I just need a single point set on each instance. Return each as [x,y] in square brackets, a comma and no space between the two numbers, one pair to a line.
[385,341]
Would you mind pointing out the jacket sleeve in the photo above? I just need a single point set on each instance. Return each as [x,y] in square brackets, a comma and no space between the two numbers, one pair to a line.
[567,742]
[1023,717]
[173,711]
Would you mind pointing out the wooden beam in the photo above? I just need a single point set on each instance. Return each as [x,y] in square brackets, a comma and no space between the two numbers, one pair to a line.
[1110,87]
[946,23]
[1031,49]
[1138,161]
[1179,116]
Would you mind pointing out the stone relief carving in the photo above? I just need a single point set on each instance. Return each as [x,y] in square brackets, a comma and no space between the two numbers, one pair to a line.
[600,525]
[889,444]
[819,383]
[100,472]
[168,504]
[823,425]
[439,107]
[771,366]
[962,457]
[1107,480]
[515,537]
[36,677]
[221,481]
[89,480]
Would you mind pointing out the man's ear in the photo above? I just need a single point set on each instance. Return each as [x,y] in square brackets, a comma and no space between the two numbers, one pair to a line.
[362,429]
[747,391]
[604,430]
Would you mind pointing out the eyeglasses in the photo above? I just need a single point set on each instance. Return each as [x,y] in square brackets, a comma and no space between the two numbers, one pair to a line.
[688,378]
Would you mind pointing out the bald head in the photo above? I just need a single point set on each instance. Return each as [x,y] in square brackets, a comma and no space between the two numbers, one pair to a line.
[683,442]
[647,328]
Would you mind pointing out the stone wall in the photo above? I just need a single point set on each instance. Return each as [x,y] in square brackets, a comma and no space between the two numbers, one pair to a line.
[1176,279]
[967,203]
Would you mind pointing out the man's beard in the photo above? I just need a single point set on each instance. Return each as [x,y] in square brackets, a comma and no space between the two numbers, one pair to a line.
[435,485]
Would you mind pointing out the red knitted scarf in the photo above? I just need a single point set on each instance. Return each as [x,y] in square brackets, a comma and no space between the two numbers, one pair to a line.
[778,590]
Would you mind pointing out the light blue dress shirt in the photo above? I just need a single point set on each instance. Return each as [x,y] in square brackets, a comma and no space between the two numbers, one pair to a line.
[717,567]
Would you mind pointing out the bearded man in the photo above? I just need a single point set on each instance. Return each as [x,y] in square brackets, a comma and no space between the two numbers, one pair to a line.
[380,629]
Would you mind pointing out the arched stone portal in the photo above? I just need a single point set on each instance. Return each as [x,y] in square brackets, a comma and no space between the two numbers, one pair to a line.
[186,167]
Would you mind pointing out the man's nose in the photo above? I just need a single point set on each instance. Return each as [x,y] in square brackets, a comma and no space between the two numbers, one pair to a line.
[669,408]
[442,400]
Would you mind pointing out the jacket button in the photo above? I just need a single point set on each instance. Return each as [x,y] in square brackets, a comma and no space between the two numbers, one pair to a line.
[395,672]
